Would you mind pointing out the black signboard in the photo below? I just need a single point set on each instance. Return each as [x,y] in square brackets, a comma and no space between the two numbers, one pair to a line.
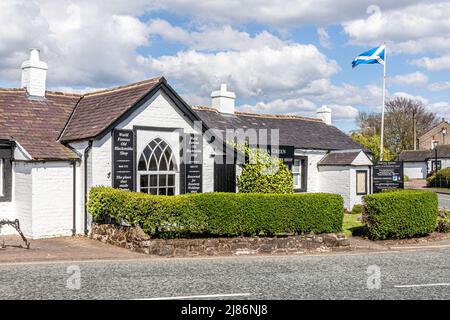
[123,159]
[286,153]
[194,163]
[387,175]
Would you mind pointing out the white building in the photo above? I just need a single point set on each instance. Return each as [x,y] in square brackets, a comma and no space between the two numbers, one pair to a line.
[54,147]
[419,164]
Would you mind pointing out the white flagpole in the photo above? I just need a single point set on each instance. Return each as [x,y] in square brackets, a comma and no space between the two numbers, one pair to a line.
[383,104]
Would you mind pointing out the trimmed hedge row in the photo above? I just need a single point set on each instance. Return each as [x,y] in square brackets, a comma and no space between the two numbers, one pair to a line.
[400,214]
[219,214]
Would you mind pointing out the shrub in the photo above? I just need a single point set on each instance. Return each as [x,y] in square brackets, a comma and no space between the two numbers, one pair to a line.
[440,179]
[219,214]
[157,215]
[251,214]
[264,174]
[443,225]
[400,214]
[357,209]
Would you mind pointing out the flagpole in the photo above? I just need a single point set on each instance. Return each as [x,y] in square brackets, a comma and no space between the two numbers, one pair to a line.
[383,104]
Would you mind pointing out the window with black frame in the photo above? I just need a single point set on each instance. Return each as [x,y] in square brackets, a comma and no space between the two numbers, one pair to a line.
[6,148]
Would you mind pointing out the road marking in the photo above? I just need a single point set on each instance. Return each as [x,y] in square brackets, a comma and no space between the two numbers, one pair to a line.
[201,296]
[422,247]
[423,285]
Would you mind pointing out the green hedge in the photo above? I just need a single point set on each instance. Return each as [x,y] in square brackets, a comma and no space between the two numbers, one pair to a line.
[219,214]
[441,179]
[400,214]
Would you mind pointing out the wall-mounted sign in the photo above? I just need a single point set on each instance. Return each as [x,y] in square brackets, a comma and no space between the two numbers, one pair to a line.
[387,175]
[286,153]
[194,163]
[123,159]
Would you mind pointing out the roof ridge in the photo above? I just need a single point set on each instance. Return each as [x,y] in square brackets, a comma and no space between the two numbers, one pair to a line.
[261,115]
[12,90]
[124,87]
[60,93]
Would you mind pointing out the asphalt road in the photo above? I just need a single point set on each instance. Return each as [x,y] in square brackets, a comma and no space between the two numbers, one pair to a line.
[444,201]
[421,274]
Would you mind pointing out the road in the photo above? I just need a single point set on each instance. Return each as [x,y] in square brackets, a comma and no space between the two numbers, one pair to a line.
[444,201]
[423,274]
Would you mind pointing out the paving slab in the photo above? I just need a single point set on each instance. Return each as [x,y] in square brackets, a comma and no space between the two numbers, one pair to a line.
[61,249]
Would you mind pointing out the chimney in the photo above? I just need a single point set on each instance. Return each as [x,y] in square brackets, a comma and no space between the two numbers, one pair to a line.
[34,74]
[324,114]
[223,100]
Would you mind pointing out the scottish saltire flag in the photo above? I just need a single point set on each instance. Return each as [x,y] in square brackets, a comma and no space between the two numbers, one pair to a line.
[375,55]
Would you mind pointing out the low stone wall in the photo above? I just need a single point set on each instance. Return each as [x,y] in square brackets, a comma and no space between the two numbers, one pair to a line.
[135,239]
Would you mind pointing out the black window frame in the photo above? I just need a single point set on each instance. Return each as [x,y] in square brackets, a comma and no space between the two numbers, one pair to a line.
[303,172]
[366,183]
[6,152]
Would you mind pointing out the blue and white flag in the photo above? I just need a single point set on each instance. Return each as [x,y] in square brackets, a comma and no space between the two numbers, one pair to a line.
[375,55]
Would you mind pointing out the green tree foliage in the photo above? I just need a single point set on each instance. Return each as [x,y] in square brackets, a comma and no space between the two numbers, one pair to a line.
[372,142]
[264,173]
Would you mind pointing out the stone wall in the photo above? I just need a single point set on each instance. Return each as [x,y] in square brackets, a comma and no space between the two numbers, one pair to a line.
[135,239]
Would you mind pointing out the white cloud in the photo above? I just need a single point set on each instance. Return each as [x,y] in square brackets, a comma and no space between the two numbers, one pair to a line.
[324,38]
[417,79]
[214,38]
[274,12]
[438,86]
[433,64]
[260,72]
[419,27]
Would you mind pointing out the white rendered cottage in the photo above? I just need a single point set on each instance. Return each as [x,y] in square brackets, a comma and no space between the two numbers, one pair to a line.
[54,147]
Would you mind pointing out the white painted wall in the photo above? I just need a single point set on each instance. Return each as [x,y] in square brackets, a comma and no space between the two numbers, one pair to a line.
[52,200]
[314,156]
[157,112]
[415,170]
[337,180]
[444,161]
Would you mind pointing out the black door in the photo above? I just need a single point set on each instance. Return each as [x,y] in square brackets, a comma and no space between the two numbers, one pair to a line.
[224,177]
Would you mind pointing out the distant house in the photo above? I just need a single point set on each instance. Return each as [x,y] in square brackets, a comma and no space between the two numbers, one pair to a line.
[437,134]
[419,164]
[144,137]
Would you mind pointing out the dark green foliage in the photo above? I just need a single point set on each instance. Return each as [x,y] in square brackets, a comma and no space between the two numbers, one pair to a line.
[400,214]
[264,173]
[440,180]
[219,214]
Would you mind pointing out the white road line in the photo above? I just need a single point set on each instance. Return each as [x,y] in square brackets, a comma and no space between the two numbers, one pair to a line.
[423,285]
[442,246]
[201,296]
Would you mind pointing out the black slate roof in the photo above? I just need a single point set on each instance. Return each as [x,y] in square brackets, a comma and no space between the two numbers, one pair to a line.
[443,151]
[300,132]
[339,158]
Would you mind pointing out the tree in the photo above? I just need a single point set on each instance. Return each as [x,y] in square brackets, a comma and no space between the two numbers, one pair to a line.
[264,173]
[372,142]
[398,123]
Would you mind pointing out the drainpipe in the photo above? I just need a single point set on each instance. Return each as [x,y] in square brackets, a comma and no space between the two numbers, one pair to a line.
[86,156]
[74,196]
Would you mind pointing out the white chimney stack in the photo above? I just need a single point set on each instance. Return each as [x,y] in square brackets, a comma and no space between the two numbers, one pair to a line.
[324,114]
[34,75]
[223,100]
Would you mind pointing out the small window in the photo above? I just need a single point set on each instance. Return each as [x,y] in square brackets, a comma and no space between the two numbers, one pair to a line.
[361,182]
[299,170]
[433,165]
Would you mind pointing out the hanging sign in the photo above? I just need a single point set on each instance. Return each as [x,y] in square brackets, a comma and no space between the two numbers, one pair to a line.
[194,163]
[123,159]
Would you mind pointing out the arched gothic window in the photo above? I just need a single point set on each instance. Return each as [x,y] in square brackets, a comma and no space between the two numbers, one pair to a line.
[157,169]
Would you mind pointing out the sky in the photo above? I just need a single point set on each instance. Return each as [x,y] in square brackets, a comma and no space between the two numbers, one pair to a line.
[281,57]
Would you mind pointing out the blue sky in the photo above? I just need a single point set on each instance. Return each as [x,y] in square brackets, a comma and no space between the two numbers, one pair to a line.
[278,56]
